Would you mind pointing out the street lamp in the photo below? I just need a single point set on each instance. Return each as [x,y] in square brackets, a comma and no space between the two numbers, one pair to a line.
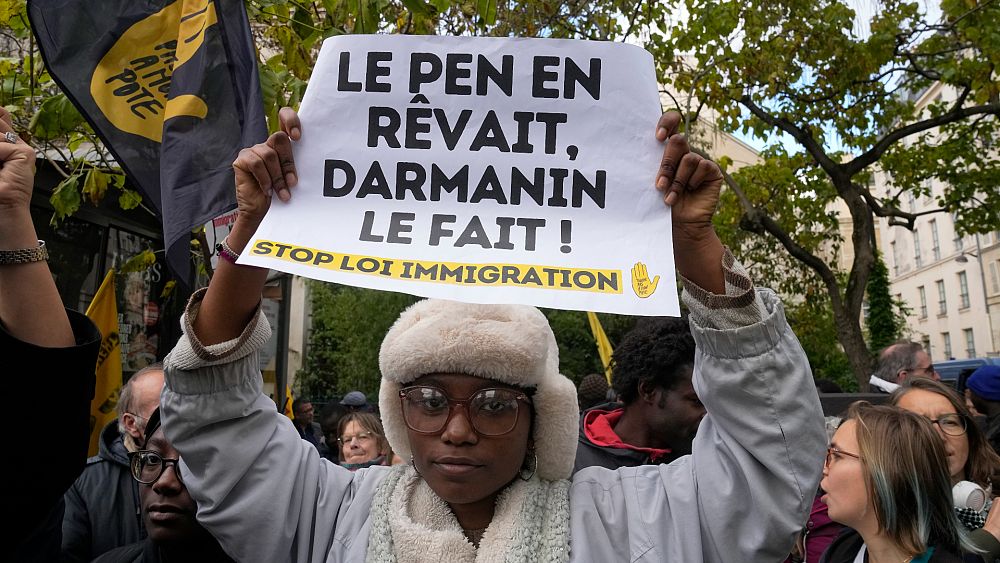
[962,259]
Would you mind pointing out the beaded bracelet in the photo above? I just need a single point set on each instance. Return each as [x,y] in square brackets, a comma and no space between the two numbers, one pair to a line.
[226,252]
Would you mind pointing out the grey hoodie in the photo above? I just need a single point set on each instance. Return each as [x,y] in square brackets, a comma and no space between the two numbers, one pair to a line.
[741,496]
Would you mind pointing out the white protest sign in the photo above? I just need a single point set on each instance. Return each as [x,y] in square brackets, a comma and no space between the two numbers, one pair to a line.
[484,170]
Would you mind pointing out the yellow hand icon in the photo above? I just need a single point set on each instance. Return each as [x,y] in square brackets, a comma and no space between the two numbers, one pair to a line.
[641,284]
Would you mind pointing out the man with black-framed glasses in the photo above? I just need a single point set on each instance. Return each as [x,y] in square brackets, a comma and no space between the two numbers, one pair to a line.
[102,506]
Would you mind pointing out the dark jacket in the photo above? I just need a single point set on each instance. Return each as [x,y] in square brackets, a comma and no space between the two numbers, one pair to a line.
[846,546]
[589,454]
[102,505]
[992,431]
[39,472]
[147,552]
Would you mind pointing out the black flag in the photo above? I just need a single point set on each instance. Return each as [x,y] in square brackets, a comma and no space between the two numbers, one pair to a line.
[172,89]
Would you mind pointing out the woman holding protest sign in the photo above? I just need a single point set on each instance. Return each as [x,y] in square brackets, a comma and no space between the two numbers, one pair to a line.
[472,398]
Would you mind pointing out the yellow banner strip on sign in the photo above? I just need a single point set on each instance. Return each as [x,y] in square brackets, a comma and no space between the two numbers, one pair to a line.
[454,273]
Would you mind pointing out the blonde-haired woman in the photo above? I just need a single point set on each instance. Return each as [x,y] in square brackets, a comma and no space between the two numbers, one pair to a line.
[362,441]
[886,477]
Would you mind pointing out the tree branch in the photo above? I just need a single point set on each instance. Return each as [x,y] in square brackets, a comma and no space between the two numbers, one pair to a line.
[878,149]
[807,141]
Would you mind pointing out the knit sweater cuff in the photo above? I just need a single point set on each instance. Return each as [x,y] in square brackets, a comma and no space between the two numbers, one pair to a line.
[191,354]
[739,306]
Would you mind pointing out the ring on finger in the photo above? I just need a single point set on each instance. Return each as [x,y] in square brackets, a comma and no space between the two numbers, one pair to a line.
[10,137]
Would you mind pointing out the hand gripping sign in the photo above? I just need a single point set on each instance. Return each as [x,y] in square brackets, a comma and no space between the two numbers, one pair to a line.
[480,169]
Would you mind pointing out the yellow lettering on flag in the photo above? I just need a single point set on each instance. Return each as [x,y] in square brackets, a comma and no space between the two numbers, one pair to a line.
[603,344]
[103,311]
[131,83]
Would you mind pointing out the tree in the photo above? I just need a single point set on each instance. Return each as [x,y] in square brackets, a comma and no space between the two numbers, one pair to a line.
[884,325]
[348,324]
[812,321]
[845,98]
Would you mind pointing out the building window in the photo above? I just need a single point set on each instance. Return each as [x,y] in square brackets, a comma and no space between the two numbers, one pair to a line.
[895,259]
[995,277]
[923,302]
[970,343]
[959,243]
[963,290]
[946,342]
[935,241]
[916,249]
[912,201]
[942,299]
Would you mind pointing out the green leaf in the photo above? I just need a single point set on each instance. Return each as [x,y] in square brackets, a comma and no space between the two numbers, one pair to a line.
[130,199]
[57,116]
[65,199]
[168,289]
[487,10]
[95,185]
[418,7]
[139,262]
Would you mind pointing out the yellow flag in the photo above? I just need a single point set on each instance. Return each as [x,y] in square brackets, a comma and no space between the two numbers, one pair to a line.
[603,344]
[104,312]
[288,403]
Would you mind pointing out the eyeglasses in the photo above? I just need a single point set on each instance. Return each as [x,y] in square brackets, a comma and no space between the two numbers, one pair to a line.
[952,424]
[833,453]
[360,436]
[137,415]
[928,371]
[147,466]
[492,412]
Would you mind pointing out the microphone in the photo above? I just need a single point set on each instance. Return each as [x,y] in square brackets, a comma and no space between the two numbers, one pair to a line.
[966,494]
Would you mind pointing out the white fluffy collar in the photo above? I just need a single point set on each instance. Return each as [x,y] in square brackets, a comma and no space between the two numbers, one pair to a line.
[410,523]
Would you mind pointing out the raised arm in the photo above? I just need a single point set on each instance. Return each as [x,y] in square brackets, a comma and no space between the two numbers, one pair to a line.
[46,347]
[263,492]
[691,187]
[30,307]
[262,171]
[744,491]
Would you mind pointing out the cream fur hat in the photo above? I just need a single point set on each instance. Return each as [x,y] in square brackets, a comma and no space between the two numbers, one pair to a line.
[512,344]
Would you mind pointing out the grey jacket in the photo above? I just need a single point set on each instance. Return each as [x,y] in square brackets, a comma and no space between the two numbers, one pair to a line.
[741,496]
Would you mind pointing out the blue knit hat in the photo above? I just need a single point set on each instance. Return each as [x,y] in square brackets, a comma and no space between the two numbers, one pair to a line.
[985,382]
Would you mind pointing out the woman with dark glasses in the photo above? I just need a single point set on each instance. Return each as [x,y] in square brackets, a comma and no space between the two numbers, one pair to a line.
[472,399]
[971,460]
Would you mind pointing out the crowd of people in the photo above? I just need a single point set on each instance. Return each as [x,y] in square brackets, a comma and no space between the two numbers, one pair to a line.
[709,445]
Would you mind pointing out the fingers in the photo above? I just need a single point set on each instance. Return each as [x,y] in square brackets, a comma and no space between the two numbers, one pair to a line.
[290,124]
[10,152]
[286,177]
[6,121]
[707,172]
[668,125]
[677,147]
[253,163]
[269,165]
[681,182]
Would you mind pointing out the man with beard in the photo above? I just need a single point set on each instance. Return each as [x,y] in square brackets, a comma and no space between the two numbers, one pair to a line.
[652,370]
